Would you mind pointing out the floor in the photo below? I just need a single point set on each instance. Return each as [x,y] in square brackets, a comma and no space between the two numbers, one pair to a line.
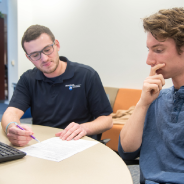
[135,173]
[134,169]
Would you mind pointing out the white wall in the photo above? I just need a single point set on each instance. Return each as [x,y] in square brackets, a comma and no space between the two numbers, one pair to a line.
[105,34]
[24,17]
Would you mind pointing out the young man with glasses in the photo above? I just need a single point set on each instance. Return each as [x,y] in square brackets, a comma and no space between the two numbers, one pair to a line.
[61,93]
[155,131]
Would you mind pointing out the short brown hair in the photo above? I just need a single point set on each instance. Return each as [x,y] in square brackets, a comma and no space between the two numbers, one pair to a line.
[34,31]
[167,23]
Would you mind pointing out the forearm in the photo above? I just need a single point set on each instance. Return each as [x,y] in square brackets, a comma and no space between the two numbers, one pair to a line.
[11,115]
[131,134]
[99,125]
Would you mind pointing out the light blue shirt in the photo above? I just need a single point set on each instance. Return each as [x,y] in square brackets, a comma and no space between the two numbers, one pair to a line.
[162,149]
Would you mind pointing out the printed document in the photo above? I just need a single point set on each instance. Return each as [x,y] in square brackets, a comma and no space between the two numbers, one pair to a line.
[56,149]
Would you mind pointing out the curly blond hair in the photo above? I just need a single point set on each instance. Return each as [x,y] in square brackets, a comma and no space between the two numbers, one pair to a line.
[167,23]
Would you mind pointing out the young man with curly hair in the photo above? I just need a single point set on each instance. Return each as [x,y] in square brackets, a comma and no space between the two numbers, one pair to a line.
[155,131]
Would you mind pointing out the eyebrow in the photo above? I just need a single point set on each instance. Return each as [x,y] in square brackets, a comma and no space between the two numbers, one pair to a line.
[40,50]
[159,44]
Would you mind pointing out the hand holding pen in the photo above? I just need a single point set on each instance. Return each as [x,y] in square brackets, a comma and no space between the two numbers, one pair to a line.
[20,136]
[30,135]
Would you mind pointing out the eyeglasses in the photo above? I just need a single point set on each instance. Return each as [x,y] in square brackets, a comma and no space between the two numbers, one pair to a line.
[46,50]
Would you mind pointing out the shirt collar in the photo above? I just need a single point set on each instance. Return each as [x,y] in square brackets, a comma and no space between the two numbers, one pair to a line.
[180,92]
[69,72]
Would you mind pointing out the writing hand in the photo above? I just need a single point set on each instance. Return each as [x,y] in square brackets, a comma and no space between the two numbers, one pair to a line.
[19,137]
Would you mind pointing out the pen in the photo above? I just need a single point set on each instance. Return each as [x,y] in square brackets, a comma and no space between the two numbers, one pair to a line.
[30,135]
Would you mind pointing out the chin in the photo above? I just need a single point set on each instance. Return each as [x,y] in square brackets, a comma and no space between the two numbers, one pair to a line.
[49,70]
[166,77]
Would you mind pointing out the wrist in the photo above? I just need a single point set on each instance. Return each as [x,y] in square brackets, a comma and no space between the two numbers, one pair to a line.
[9,125]
[85,128]
[142,105]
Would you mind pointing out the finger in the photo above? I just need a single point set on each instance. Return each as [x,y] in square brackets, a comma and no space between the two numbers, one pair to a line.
[70,125]
[19,143]
[62,133]
[18,137]
[154,89]
[162,79]
[159,76]
[17,131]
[160,86]
[74,134]
[67,133]
[66,129]
[26,128]
[155,78]
[155,68]
[82,134]
[20,140]
[58,134]
[153,81]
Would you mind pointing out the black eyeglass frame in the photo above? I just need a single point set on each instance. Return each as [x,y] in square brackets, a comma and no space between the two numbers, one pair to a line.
[42,52]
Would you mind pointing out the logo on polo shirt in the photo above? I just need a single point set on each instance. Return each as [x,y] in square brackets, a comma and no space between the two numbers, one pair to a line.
[71,86]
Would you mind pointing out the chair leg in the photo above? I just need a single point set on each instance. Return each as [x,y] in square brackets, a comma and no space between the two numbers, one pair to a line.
[105,141]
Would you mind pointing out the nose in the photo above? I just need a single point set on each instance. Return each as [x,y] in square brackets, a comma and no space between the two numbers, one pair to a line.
[150,59]
[44,57]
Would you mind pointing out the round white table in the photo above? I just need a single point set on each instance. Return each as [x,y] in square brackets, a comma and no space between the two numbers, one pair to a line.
[95,165]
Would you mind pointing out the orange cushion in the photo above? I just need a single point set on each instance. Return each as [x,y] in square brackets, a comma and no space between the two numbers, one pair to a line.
[126,98]
[113,134]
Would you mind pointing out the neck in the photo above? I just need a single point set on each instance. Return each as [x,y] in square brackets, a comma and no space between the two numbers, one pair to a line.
[178,82]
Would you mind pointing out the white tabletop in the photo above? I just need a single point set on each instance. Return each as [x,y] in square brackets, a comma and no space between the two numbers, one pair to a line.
[95,165]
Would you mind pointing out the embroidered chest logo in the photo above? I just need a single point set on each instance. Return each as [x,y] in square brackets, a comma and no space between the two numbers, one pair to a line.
[71,86]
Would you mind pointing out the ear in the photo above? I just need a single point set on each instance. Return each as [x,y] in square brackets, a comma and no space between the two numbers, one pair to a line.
[57,44]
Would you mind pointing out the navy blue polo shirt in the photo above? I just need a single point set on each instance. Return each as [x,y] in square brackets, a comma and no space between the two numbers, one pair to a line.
[75,96]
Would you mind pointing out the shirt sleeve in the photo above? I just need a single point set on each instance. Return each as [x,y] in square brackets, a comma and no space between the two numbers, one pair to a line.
[21,96]
[98,102]
[127,155]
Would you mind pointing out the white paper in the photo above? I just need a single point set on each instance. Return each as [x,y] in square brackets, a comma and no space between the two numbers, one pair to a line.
[56,149]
